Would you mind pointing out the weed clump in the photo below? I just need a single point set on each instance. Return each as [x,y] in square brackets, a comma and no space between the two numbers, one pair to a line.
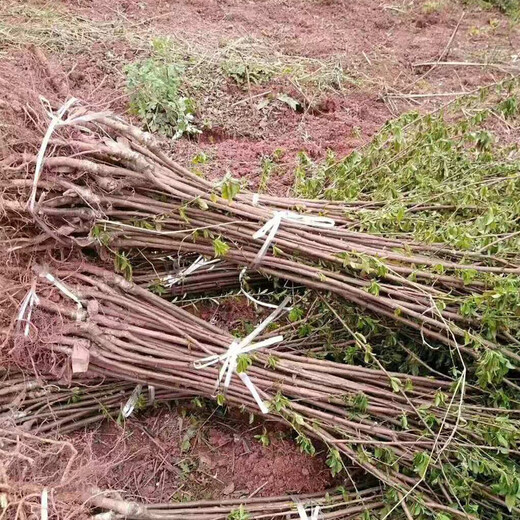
[156,97]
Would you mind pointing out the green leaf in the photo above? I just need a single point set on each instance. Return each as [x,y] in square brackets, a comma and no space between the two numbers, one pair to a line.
[295,314]
[440,398]
[305,444]
[220,247]
[122,265]
[239,514]
[272,361]
[298,419]
[421,463]
[244,361]
[374,288]
[230,188]
[334,461]
[264,438]
[396,384]
[510,501]
[277,252]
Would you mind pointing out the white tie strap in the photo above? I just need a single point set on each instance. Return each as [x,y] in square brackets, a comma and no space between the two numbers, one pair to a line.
[241,277]
[56,121]
[26,308]
[238,347]
[303,514]
[272,225]
[132,401]
[170,280]
[64,289]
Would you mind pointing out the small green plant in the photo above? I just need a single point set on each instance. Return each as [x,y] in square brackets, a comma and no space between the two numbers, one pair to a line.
[334,461]
[200,158]
[75,396]
[263,438]
[272,362]
[509,7]
[154,88]
[267,168]
[157,287]
[122,265]
[230,187]
[244,361]
[239,514]
[305,444]
[221,248]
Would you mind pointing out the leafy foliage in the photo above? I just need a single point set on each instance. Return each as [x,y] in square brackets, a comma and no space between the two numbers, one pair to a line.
[220,247]
[437,178]
[122,265]
[263,438]
[154,86]
[239,514]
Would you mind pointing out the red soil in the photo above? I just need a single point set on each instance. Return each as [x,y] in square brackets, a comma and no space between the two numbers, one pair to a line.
[375,44]
[169,455]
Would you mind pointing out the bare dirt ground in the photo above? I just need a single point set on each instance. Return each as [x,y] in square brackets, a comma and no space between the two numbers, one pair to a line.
[176,454]
[350,66]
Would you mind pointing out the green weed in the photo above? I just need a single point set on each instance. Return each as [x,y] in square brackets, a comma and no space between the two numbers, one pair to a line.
[154,87]
[263,438]
[239,514]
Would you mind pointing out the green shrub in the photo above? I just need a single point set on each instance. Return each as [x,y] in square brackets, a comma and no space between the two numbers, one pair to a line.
[155,97]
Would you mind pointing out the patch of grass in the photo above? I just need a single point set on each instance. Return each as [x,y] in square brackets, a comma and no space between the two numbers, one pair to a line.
[432,7]
[509,7]
[245,73]
[154,86]
[206,71]
[56,29]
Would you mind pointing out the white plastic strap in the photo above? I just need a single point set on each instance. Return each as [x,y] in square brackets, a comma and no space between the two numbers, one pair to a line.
[229,358]
[132,401]
[64,289]
[270,228]
[151,394]
[44,509]
[30,300]
[303,514]
[256,199]
[200,262]
[56,121]
[254,392]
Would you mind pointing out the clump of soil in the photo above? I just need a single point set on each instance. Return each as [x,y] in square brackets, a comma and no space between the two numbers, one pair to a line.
[177,454]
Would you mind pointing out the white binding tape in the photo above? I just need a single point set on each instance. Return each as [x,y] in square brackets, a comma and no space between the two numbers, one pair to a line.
[200,262]
[132,401]
[303,514]
[151,394]
[64,289]
[56,121]
[270,228]
[249,296]
[238,347]
[26,308]
[44,509]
